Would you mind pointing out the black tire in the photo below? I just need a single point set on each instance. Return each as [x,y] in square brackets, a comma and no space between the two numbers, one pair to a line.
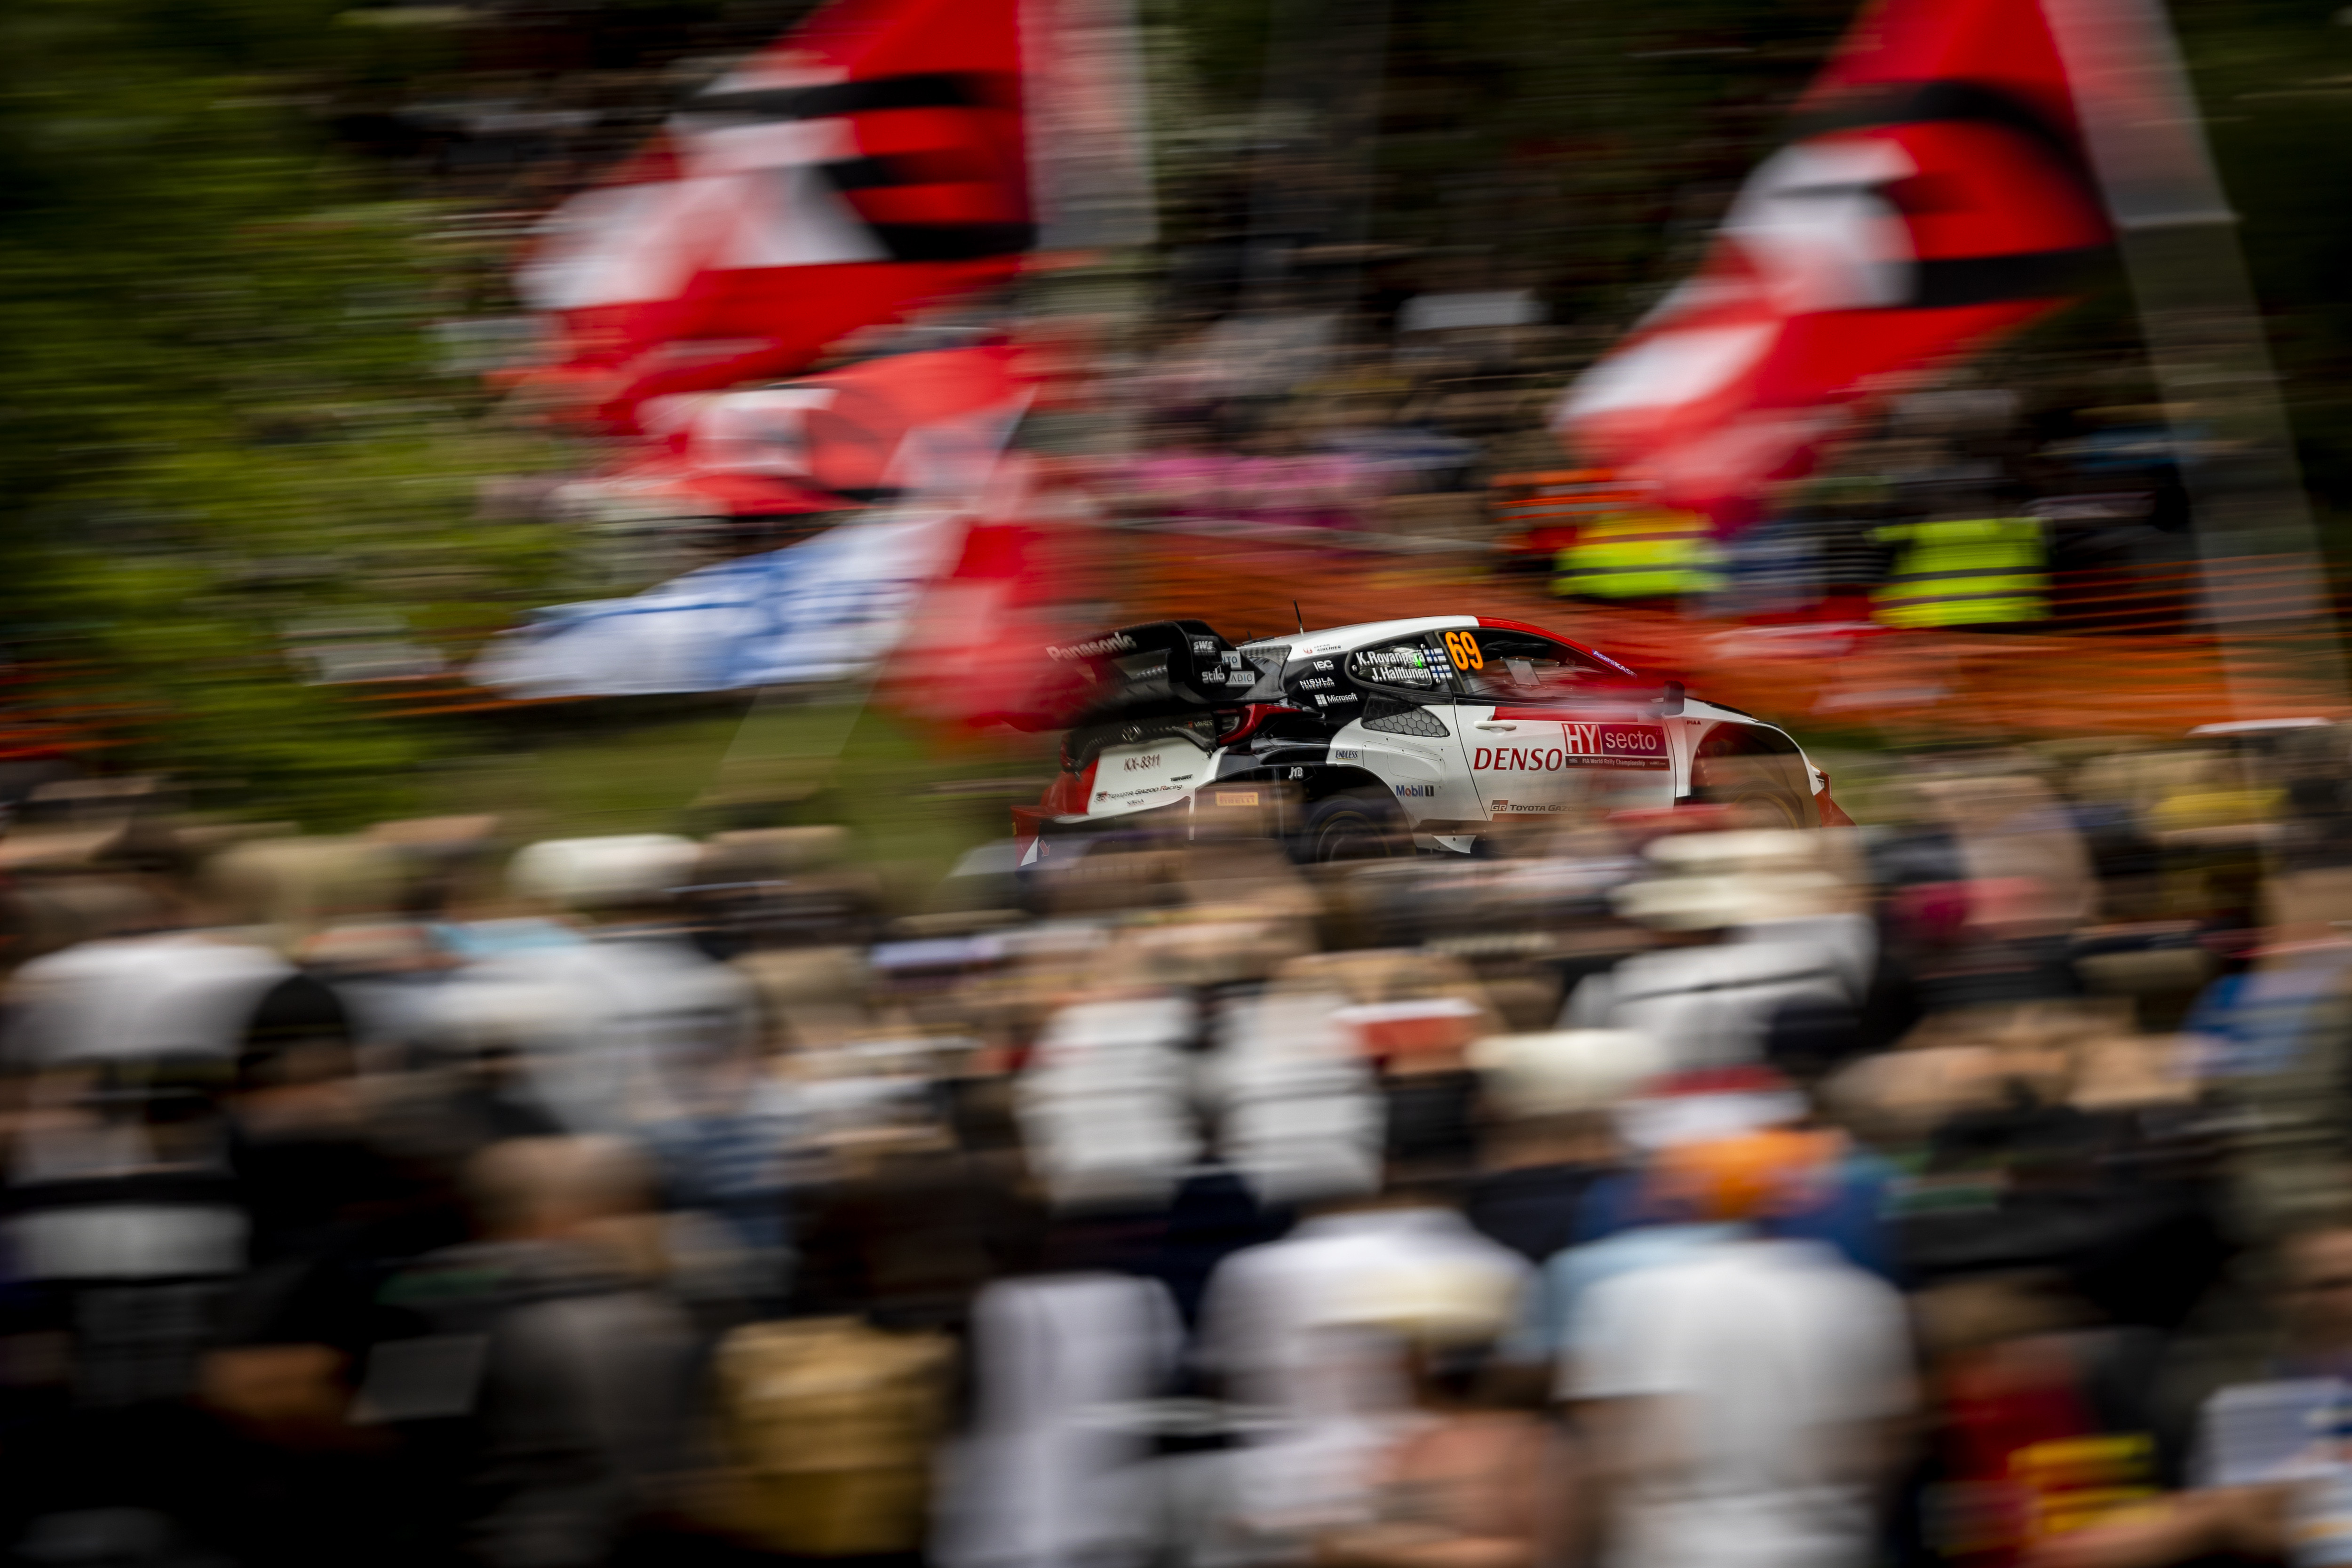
[1360,823]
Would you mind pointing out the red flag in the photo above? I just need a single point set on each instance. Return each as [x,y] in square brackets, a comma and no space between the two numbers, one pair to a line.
[870,162]
[1934,195]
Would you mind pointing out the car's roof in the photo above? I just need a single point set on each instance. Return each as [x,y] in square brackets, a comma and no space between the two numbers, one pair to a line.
[1333,639]
[1340,639]
[2258,726]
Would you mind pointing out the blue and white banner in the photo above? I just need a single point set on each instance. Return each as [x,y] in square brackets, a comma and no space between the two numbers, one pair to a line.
[826,609]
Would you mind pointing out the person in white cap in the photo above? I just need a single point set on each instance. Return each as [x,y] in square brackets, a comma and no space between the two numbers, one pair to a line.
[1753,923]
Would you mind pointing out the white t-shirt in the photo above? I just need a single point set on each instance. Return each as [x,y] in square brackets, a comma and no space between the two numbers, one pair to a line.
[172,994]
[1759,1361]
[1709,1007]
[1042,1478]
[618,1031]
[1106,1107]
[1333,1395]
[177,994]
[1268,1322]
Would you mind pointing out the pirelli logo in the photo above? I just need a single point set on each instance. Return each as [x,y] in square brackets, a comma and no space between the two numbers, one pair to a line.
[1582,745]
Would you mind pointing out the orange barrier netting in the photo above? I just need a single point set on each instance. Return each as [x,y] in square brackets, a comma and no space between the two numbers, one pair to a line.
[1912,686]
[2124,653]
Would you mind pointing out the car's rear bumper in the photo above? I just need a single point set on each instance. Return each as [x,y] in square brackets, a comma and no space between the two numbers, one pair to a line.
[1036,831]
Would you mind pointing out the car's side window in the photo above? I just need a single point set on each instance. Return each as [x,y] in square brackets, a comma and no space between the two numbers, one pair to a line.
[1499,666]
[1405,666]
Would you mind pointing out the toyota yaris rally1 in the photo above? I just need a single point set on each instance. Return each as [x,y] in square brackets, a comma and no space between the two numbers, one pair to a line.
[1354,739]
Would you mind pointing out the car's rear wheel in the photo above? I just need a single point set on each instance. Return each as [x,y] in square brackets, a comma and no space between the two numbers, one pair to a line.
[1360,823]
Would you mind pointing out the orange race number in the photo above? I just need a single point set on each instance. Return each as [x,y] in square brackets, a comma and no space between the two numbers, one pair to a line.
[1464,650]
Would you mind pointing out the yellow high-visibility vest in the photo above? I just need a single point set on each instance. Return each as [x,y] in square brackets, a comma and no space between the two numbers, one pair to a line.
[1973,571]
[1648,552]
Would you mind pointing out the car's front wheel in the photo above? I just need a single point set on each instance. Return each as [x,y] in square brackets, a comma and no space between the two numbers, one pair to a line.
[1762,806]
[1360,823]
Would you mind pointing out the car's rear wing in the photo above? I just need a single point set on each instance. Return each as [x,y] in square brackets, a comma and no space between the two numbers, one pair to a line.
[1159,667]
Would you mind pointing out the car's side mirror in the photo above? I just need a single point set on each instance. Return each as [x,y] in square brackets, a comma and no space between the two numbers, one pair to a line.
[1670,700]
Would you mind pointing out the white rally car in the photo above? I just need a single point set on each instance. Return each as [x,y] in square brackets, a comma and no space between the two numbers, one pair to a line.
[1362,738]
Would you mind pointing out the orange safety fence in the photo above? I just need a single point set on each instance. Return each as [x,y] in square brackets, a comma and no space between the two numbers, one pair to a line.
[1535,513]
[2126,650]
[1911,686]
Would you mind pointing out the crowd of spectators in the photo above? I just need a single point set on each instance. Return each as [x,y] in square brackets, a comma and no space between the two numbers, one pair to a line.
[1655,1190]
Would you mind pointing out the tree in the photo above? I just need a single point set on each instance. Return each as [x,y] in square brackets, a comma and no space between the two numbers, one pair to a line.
[222,409]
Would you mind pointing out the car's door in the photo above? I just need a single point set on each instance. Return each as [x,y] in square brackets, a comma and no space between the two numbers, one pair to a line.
[1401,700]
[1537,743]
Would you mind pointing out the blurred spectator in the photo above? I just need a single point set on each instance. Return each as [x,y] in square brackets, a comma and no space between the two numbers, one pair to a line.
[538,1375]
[1744,1402]
[1107,1107]
[827,1428]
[1550,1097]
[1469,1484]
[1756,924]
[1045,1475]
[624,1026]
[1277,1332]
[2267,1458]
[129,1217]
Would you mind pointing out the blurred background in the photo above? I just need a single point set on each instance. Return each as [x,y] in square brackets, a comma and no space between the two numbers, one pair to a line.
[547,545]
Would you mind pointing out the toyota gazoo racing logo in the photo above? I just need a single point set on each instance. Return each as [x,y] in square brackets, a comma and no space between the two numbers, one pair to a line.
[1582,745]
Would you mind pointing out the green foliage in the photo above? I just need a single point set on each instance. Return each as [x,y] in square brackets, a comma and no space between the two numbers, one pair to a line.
[221,411]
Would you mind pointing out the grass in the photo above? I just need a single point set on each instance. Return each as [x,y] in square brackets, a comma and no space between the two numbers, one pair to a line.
[915,797]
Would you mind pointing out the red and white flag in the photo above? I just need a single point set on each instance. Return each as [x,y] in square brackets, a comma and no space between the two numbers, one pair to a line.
[1024,577]
[873,161]
[1934,195]
[926,427]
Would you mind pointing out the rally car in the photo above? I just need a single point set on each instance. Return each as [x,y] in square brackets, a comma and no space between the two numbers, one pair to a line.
[1357,740]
